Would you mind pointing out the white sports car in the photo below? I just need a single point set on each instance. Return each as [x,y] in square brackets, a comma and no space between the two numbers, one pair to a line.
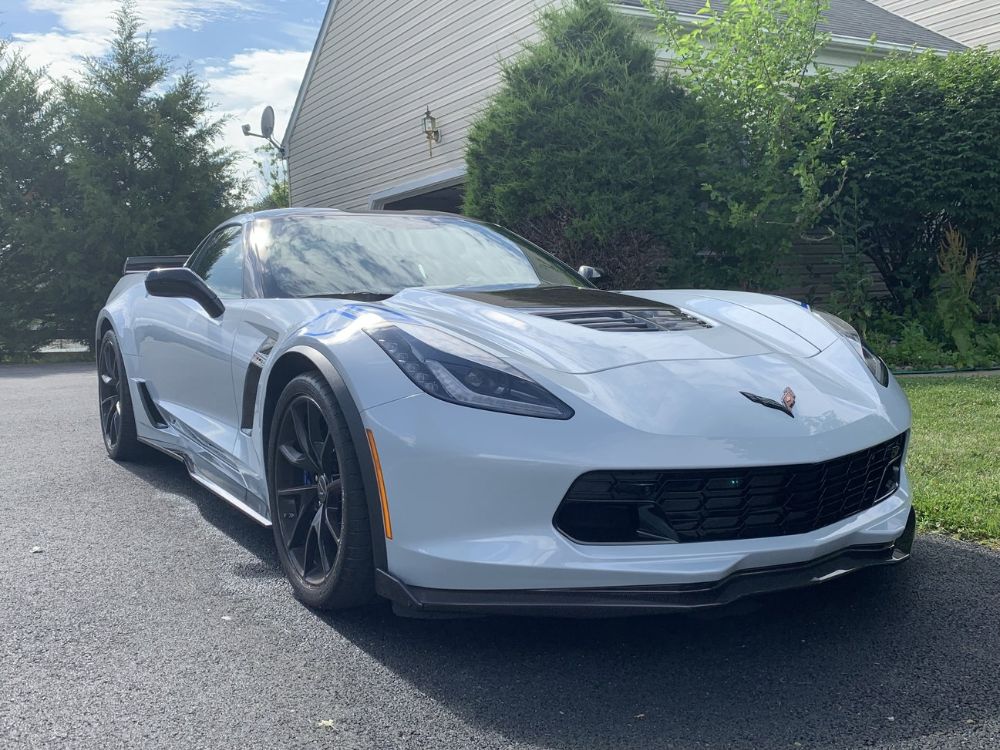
[431,409]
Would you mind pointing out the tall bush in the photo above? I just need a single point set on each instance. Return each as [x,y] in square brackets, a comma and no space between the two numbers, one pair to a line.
[921,137]
[122,162]
[588,151]
[766,139]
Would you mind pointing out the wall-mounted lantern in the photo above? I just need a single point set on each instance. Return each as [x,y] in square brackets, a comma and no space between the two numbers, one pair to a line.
[431,130]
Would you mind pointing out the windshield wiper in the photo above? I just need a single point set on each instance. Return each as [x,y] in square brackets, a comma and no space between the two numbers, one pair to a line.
[359,296]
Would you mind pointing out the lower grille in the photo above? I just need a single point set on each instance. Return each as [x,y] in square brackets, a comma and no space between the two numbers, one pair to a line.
[699,505]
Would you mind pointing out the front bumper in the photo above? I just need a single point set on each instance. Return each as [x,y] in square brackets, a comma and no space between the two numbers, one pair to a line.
[472,495]
[635,600]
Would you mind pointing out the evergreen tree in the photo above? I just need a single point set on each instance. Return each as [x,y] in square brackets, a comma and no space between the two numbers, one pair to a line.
[146,176]
[32,187]
[588,151]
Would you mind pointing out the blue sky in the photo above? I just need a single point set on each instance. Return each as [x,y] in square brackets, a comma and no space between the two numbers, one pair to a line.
[251,52]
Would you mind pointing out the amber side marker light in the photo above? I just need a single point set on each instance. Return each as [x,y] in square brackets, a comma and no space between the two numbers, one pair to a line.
[386,523]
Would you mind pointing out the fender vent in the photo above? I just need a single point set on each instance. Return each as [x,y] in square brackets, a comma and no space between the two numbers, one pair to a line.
[152,413]
[666,318]
[252,381]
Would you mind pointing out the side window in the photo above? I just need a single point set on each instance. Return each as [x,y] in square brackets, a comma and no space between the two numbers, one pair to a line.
[219,261]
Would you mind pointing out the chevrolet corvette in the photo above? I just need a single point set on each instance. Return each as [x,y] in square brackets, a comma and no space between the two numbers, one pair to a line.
[431,409]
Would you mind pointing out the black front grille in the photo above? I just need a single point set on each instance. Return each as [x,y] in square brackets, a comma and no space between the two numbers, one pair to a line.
[664,318]
[699,505]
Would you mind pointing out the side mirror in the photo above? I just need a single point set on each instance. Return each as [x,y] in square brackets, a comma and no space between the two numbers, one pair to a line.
[590,273]
[183,282]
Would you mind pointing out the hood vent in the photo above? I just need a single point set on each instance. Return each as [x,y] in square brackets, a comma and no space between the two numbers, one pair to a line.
[666,318]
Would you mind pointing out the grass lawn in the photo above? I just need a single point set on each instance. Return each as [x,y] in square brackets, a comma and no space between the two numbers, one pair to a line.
[954,460]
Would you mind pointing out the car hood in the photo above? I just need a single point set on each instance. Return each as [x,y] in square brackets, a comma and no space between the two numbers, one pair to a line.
[741,398]
[579,331]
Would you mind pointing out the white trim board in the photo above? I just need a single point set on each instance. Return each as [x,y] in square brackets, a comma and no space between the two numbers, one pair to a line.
[426,184]
[307,78]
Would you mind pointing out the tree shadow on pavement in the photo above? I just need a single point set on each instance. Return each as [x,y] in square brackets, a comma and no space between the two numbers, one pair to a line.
[169,475]
[884,655]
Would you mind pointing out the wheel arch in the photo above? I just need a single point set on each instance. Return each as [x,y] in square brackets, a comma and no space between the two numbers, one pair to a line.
[113,319]
[303,359]
[104,325]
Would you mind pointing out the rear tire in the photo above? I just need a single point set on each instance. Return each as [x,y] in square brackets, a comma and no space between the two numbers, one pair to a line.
[319,510]
[115,402]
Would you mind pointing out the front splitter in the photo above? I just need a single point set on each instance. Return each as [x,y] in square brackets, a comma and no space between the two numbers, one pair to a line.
[637,600]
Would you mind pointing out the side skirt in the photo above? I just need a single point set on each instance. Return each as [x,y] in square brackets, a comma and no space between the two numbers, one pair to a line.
[209,484]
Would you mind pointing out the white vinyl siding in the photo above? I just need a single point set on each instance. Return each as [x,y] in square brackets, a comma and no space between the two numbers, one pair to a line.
[971,22]
[358,130]
[356,134]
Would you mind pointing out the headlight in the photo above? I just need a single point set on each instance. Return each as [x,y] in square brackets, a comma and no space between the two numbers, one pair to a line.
[845,329]
[452,370]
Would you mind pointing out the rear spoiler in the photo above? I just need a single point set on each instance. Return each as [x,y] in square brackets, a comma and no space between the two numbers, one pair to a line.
[143,263]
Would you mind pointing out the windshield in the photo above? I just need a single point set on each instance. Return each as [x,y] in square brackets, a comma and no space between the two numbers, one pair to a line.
[305,255]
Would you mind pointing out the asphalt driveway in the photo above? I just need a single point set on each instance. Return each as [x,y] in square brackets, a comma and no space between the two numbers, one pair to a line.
[153,615]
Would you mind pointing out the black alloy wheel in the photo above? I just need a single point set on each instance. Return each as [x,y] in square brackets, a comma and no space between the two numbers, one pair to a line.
[109,387]
[115,401]
[319,509]
[309,491]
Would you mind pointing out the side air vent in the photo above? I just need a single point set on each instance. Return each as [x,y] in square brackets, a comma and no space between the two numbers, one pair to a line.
[152,413]
[251,381]
[665,318]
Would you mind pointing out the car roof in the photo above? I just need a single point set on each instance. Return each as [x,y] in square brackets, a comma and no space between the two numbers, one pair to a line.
[277,213]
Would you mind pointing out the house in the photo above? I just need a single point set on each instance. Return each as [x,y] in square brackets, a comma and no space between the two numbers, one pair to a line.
[356,137]
[971,22]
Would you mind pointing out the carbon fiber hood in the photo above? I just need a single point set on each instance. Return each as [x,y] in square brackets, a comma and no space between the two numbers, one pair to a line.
[588,330]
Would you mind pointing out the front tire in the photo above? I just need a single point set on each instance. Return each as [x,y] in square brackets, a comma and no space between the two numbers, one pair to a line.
[115,401]
[319,510]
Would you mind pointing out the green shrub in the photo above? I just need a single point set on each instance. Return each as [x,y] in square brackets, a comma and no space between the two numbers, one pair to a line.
[851,296]
[915,350]
[765,138]
[941,333]
[919,344]
[988,346]
[953,288]
[588,151]
[921,137]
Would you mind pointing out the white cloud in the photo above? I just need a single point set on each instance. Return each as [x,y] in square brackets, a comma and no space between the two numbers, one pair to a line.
[94,16]
[84,28]
[253,78]
[303,33]
[249,81]
[58,52]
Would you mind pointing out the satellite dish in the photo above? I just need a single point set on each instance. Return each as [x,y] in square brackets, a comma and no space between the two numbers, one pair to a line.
[267,122]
